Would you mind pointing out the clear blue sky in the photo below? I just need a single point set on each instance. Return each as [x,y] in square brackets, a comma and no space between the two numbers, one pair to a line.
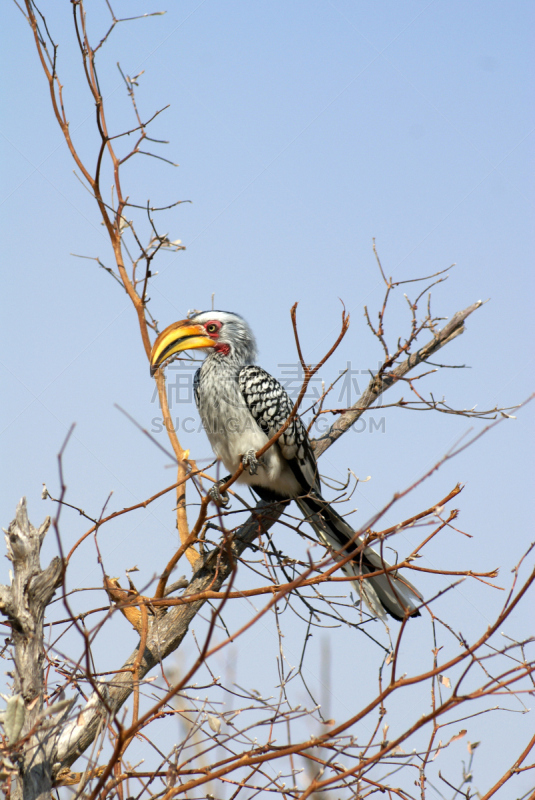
[303,130]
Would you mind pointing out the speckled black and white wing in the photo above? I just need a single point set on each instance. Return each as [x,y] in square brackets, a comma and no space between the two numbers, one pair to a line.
[270,407]
[196,386]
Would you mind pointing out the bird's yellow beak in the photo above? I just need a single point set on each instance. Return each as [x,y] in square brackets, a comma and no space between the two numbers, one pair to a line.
[182,335]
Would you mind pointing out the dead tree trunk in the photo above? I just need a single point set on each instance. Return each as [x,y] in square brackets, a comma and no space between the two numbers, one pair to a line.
[31,733]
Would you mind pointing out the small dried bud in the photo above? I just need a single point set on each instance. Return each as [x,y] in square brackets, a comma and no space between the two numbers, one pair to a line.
[214,723]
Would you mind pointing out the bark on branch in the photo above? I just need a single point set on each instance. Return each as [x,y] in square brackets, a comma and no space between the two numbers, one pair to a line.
[165,633]
[24,603]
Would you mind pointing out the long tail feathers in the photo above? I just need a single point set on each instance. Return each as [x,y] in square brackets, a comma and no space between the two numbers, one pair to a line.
[389,592]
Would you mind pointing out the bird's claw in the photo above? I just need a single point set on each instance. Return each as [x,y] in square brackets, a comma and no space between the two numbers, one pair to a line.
[221,499]
[250,462]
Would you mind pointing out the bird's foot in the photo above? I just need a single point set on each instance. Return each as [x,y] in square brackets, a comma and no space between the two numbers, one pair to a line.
[221,499]
[251,462]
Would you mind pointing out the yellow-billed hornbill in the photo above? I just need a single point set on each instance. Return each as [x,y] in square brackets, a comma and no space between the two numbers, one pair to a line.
[241,408]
